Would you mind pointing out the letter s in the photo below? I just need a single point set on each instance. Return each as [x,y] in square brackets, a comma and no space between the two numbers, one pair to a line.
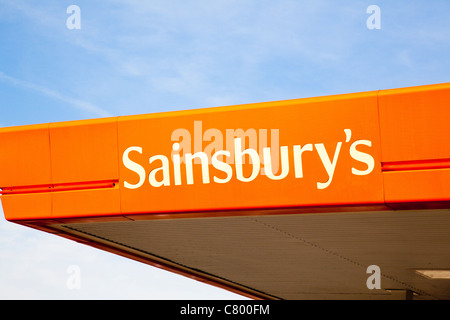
[222,166]
[133,166]
[362,157]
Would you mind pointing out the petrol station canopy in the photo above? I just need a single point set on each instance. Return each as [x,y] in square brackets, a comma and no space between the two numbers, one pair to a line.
[294,199]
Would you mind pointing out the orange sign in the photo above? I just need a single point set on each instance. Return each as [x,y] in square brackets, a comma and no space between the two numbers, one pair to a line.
[261,156]
[363,150]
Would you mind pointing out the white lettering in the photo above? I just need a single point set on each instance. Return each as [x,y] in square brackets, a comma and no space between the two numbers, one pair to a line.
[164,169]
[238,153]
[284,164]
[329,167]
[133,166]
[161,168]
[362,157]
[189,171]
[176,163]
[298,165]
[207,311]
[222,166]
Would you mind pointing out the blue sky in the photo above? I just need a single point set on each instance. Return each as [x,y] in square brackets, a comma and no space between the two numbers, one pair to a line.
[135,57]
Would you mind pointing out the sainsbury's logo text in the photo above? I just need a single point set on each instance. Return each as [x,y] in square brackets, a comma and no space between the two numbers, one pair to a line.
[221,165]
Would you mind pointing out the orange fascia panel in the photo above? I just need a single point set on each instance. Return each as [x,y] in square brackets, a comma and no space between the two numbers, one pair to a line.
[415,123]
[60,169]
[83,151]
[32,206]
[358,150]
[25,156]
[325,129]
[25,170]
[86,203]
[405,188]
[415,136]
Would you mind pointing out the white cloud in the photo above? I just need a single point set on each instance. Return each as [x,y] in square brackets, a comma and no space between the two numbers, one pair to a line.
[77,103]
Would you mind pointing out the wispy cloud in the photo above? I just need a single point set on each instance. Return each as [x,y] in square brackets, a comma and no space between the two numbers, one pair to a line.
[76,103]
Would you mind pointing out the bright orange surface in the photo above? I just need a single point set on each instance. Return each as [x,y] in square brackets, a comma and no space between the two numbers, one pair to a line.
[84,150]
[77,169]
[25,156]
[415,123]
[299,122]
